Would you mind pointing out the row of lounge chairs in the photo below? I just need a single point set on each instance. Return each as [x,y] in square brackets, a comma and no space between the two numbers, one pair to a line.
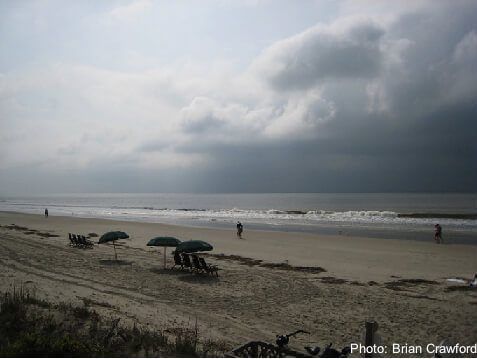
[194,264]
[79,241]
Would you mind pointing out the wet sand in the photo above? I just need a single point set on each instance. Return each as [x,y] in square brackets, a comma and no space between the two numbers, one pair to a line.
[262,289]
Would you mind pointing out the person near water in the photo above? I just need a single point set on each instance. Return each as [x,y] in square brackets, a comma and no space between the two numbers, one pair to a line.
[239,229]
[46,212]
[473,283]
[438,233]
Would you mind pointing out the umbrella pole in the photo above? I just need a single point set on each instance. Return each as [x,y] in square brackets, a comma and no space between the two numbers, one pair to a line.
[115,254]
[165,248]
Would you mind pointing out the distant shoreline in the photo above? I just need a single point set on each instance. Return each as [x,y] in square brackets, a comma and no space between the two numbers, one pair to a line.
[382,232]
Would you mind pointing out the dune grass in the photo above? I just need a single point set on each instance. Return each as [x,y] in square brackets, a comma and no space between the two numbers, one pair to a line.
[32,327]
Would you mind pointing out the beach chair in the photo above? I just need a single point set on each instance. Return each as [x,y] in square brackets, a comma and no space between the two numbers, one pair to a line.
[178,260]
[85,242]
[88,242]
[186,261]
[75,240]
[72,242]
[80,242]
[197,265]
[209,268]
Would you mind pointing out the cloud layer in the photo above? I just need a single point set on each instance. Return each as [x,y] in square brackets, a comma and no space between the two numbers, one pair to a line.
[367,101]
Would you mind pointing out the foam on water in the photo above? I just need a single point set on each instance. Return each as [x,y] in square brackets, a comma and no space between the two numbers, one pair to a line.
[268,216]
[378,215]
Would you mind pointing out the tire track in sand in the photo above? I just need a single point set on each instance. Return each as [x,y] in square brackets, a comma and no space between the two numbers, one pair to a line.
[15,261]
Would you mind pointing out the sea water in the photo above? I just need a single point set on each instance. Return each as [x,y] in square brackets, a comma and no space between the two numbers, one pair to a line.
[395,215]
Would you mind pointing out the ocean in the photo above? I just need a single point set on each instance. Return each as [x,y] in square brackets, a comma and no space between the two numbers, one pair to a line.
[382,215]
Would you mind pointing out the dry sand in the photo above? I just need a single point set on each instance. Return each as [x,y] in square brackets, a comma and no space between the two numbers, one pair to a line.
[399,283]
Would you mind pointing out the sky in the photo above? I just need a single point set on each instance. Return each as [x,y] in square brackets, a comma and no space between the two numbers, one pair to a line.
[238,96]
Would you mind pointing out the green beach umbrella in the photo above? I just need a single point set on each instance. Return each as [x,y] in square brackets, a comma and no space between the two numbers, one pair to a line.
[112,237]
[194,246]
[164,242]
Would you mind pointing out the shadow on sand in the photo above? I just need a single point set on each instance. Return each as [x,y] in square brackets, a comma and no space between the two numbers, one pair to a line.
[198,278]
[114,262]
[167,271]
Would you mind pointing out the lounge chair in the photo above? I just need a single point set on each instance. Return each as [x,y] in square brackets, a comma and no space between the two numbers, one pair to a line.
[178,260]
[76,241]
[209,268]
[186,261]
[85,242]
[79,241]
[89,243]
[72,242]
[197,265]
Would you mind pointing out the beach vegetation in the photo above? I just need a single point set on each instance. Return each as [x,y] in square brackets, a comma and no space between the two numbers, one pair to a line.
[33,327]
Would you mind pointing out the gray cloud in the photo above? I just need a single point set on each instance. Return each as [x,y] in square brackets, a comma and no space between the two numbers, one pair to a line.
[351,50]
[402,103]
[382,103]
[200,116]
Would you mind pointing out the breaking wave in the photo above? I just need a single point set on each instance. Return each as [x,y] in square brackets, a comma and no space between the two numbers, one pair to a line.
[269,216]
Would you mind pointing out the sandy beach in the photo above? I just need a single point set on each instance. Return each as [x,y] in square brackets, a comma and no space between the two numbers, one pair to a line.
[262,289]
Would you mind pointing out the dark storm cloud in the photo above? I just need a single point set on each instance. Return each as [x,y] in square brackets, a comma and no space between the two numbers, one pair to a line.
[323,53]
[405,109]
[436,70]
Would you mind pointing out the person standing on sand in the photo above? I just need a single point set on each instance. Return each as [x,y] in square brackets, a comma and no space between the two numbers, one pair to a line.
[438,233]
[46,212]
[239,229]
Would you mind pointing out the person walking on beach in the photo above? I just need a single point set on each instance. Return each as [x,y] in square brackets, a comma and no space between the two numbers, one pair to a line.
[46,212]
[438,233]
[239,229]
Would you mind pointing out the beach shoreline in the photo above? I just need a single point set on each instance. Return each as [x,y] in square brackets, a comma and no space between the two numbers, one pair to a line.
[261,291]
[402,216]
[297,248]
